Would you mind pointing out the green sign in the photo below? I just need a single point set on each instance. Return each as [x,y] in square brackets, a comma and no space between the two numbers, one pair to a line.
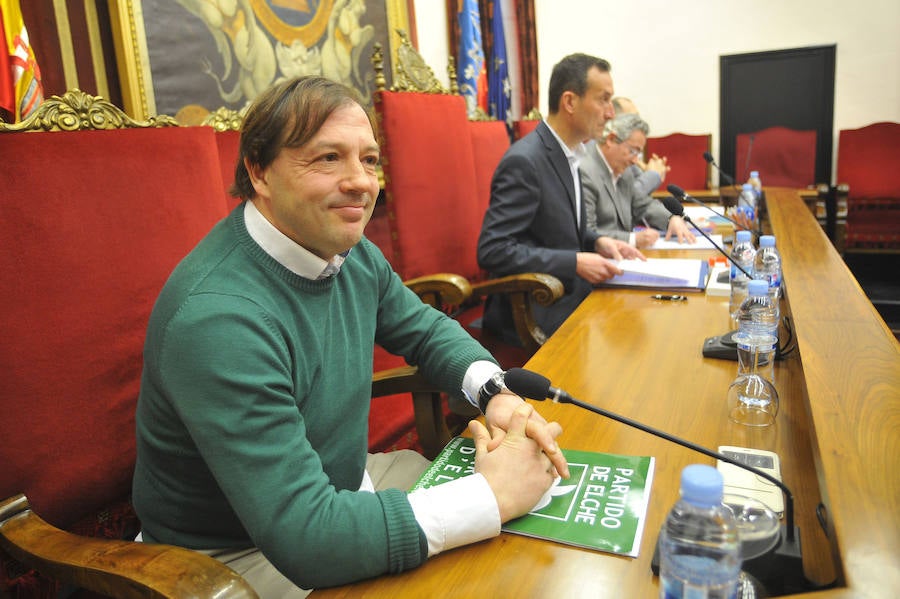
[602,506]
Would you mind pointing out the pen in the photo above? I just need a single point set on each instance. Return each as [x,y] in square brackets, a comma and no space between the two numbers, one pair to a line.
[646,224]
[669,298]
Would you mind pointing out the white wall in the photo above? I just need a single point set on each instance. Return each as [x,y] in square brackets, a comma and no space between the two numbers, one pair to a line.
[665,54]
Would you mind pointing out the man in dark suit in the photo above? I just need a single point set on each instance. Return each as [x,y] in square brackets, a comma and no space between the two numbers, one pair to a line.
[535,221]
[612,203]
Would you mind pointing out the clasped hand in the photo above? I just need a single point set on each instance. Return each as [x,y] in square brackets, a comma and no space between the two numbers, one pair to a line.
[517,454]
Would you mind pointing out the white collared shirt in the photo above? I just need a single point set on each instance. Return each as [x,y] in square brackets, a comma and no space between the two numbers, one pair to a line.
[456,513]
[574,156]
[285,250]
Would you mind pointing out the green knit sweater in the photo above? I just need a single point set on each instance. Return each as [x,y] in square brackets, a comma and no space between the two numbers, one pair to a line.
[252,416]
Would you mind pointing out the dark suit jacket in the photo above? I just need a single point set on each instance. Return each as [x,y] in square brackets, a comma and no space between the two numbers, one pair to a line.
[614,210]
[531,226]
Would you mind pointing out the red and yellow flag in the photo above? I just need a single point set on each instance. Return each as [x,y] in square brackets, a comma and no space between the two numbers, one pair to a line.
[21,91]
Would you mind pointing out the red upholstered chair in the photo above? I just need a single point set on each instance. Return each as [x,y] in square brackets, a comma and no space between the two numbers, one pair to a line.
[227,144]
[526,124]
[685,157]
[867,165]
[93,222]
[490,141]
[227,124]
[524,127]
[436,206]
[784,157]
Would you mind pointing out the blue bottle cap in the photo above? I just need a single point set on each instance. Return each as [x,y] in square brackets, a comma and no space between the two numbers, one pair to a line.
[767,241]
[754,174]
[701,485]
[757,287]
[743,236]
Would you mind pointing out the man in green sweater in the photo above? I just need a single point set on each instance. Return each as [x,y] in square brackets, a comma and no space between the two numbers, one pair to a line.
[252,417]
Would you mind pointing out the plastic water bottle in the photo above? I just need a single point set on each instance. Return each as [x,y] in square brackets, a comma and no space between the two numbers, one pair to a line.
[752,398]
[747,202]
[742,252]
[699,545]
[756,183]
[767,266]
[757,336]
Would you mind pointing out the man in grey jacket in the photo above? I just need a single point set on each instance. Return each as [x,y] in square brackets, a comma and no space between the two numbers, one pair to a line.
[613,206]
[650,174]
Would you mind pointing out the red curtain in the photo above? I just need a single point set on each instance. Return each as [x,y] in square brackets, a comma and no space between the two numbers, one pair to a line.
[528,64]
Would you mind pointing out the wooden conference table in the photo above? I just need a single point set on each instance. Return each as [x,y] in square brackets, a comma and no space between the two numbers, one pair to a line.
[837,432]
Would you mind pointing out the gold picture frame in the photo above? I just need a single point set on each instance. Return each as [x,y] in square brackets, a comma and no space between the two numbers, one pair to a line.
[133,59]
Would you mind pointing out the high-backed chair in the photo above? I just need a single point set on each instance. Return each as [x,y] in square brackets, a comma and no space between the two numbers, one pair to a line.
[685,157]
[227,125]
[867,166]
[93,222]
[784,157]
[490,141]
[526,124]
[434,204]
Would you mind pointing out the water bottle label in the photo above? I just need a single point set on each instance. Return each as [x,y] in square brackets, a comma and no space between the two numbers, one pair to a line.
[773,279]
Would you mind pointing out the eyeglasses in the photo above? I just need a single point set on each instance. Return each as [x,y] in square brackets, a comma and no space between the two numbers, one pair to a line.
[634,151]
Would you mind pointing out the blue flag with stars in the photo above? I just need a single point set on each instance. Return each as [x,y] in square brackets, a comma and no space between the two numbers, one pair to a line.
[499,88]
[471,74]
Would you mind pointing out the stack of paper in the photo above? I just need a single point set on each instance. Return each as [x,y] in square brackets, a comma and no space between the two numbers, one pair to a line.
[661,273]
[702,243]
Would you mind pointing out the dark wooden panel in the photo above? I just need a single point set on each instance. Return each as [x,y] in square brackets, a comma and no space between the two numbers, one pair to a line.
[790,88]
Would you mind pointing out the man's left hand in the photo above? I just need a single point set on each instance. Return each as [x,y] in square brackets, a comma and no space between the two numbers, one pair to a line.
[498,417]
[678,228]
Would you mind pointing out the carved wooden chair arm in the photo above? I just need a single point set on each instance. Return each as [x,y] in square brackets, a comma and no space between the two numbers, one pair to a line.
[441,289]
[521,290]
[431,425]
[123,569]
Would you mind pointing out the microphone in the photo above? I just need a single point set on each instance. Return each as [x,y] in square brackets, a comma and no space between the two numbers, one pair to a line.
[683,195]
[781,573]
[724,346]
[675,207]
[729,180]
[749,153]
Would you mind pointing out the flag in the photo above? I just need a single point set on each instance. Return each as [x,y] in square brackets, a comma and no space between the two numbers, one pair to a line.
[499,88]
[471,74]
[7,89]
[19,67]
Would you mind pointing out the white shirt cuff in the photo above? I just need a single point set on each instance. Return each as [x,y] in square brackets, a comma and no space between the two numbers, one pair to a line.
[456,513]
[476,376]
[632,239]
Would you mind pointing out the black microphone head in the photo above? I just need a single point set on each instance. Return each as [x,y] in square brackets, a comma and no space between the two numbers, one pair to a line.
[708,157]
[527,383]
[673,205]
[675,191]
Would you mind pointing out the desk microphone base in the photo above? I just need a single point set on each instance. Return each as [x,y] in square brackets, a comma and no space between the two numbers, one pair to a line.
[778,571]
[722,347]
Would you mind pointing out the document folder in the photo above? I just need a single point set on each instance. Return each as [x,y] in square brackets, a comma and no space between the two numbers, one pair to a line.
[671,274]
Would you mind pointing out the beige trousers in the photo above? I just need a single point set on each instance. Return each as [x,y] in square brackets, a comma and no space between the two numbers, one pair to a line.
[393,470]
